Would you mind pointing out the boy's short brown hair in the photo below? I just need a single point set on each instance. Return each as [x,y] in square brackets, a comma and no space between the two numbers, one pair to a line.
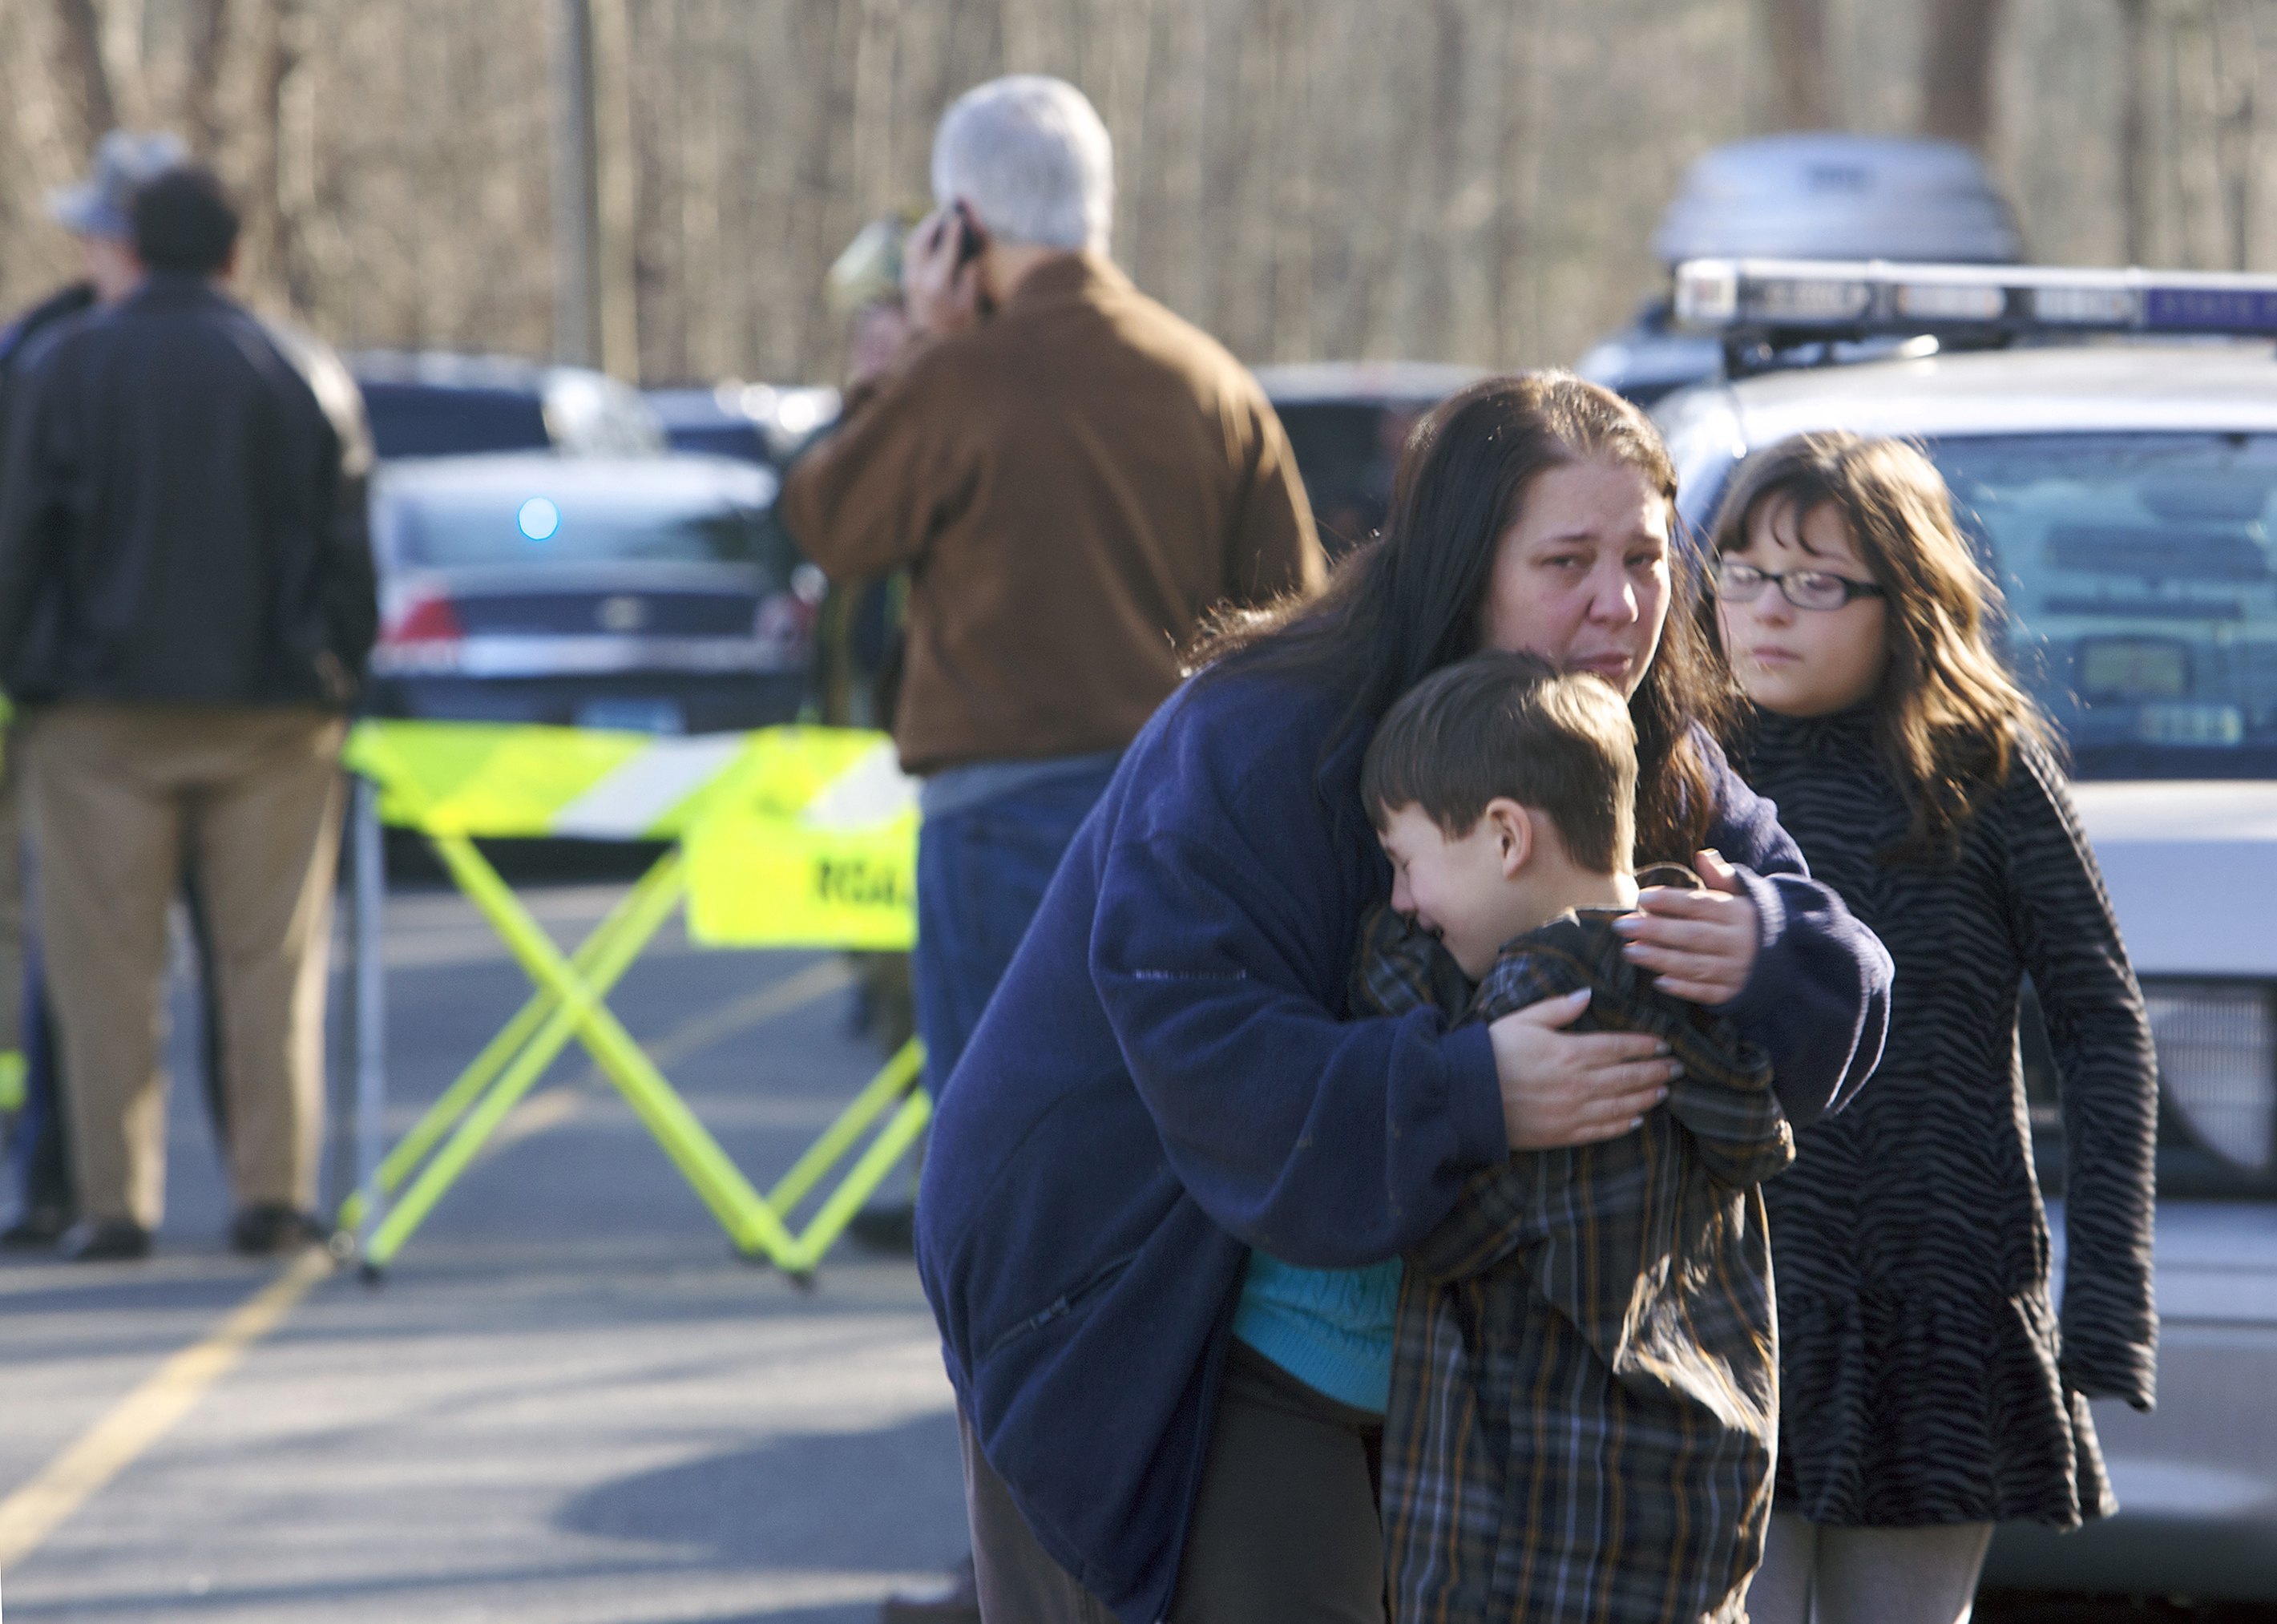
[1512,725]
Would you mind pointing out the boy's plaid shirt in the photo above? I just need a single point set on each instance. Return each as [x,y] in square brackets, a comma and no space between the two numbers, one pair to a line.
[1585,1386]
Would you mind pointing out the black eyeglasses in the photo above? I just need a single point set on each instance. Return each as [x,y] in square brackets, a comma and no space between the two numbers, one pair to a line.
[1805,589]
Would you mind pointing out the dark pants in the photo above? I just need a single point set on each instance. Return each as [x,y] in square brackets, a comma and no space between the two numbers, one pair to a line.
[1285,1529]
[41,1155]
[981,873]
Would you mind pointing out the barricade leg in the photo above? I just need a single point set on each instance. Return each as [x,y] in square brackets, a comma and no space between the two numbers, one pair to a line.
[569,1002]
[602,957]
[872,1170]
[749,1222]
[370,1015]
[572,998]
[896,1080]
[757,1225]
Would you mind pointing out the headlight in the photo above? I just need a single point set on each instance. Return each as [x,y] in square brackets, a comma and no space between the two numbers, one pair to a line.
[2218,1064]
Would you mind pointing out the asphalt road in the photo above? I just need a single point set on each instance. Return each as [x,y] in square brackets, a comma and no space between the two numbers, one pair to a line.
[567,1402]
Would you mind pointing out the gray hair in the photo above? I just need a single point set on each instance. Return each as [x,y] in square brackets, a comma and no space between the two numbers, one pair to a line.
[1031,158]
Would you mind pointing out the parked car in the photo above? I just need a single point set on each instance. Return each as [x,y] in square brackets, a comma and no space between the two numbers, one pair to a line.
[1346,422]
[759,423]
[650,593]
[2124,495]
[433,404]
[1805,196]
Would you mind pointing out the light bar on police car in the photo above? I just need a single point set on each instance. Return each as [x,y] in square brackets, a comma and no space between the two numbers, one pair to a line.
[1803,300]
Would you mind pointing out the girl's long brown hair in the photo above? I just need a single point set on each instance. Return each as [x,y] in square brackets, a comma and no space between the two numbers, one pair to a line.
[1948,717]
[1409,602]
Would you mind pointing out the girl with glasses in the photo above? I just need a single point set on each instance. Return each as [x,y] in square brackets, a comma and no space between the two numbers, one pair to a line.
[1929,1386]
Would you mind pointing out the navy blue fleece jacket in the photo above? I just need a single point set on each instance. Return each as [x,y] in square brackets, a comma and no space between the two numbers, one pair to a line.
[1166,1078]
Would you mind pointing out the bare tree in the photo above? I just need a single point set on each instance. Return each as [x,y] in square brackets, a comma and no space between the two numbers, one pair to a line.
[2134,127]
[1307,177]
[1804,85]
[208,39]
[617,176]
[276,53]
[79,44]
[1957,68]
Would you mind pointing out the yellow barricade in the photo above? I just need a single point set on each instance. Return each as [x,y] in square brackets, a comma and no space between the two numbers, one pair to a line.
[786,837]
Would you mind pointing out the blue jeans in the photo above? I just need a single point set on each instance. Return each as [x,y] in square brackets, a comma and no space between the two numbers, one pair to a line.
[981,873]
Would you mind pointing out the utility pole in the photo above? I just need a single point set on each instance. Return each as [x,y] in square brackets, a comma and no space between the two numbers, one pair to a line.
[616,241]
[595,290]
[576,189]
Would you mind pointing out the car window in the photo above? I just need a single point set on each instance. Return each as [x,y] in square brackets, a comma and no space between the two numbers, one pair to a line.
[420,420]
[2140,581]
[2141,601]
[534,527]
[1345,453]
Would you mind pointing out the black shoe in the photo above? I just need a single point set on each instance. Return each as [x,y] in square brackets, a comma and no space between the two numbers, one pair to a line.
[271,1229]
[955,1599]
[38,1230]
[103,1241]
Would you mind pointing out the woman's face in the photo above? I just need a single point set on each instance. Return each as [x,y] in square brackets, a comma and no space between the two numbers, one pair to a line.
[1803,662]
[1581,578]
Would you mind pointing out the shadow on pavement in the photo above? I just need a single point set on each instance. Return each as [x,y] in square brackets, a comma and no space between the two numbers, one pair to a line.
[791,1502]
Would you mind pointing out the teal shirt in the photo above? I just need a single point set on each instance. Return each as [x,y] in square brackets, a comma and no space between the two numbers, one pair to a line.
[1329,1328]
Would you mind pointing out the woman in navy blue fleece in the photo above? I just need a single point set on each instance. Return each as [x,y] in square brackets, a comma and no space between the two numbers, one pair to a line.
[1165,1079]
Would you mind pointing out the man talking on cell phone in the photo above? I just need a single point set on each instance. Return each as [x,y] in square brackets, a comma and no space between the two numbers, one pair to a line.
[1073,477]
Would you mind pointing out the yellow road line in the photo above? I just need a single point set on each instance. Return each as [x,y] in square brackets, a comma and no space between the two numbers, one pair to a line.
[550,1108]
[99,1454]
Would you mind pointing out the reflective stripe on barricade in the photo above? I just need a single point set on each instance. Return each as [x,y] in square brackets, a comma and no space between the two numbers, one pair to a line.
[785,837]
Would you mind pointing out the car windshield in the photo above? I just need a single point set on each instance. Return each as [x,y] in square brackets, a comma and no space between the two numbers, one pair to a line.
[2141,598]
[2142,604]
[420,420]
[534,526]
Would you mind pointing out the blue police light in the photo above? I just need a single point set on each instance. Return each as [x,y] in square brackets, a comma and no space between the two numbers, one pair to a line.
[1805,301]
[539,519]
[2209,310]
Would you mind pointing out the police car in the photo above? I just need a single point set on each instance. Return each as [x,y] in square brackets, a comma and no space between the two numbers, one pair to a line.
[2111,441]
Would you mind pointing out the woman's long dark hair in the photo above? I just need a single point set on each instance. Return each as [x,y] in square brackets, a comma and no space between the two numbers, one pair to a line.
[1948,717]
[1411,601]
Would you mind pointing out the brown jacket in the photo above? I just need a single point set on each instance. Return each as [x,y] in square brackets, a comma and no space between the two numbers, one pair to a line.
[1070,484]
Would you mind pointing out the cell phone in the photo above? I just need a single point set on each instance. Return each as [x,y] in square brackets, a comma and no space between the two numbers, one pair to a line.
[970,239]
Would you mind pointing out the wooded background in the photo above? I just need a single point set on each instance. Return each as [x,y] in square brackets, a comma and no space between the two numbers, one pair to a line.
[1458,179]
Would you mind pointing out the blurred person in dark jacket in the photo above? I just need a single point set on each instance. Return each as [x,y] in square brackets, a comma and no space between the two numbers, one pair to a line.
[186,604]
[94,212]
[1073,477]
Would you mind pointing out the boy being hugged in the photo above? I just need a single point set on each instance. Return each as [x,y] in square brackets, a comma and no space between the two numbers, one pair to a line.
[1584,1390]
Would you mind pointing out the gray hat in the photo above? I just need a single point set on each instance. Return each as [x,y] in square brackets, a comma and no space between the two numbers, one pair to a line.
[102,204]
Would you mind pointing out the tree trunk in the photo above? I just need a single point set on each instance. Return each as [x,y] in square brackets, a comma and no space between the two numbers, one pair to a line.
[1957,70]
[1804,97]
[617,177]
[277,53]
[209,35]
[2133,125]
[79,43]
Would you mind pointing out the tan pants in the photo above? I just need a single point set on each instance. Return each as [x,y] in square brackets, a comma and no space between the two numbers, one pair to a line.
[117,794]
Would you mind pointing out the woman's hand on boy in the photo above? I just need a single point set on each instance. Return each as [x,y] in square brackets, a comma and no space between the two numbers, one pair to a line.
[1561,1088]
[1700,945]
